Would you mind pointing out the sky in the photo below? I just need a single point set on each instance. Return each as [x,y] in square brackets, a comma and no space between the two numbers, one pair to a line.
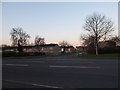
[54,21]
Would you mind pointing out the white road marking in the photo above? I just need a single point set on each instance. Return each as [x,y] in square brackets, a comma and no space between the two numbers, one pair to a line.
[40,85]
[16,64]
[73,66]
[45,86]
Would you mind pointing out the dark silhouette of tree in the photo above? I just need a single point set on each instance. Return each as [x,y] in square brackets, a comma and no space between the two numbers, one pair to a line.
[19,38]
[98,26]
[88,41]
[115,39]
[39,40]
[64,43]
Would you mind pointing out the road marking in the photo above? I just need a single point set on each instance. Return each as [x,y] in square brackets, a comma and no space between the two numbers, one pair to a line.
[16,64]
[40,85]
[72,66]
[45,86]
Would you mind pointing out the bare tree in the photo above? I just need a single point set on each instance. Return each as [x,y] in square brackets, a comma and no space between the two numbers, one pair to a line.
[98,26]
[64,43]
[19,37]
[39,40]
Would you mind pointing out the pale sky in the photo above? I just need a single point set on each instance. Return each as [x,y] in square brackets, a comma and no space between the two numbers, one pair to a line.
[55,21]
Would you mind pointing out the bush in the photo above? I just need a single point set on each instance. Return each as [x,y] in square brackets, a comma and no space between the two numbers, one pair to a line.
[109,50]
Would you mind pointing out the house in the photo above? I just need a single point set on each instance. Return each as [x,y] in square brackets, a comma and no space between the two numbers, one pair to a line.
[87,49]
[9,49]
[48,49]
[107,44]
[118,43]
[67,49]
[81,48]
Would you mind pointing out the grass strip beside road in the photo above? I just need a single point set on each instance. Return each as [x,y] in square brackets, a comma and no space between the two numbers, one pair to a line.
[115,55]
[29,57]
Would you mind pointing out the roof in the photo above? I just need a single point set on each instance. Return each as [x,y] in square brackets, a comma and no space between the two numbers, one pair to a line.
[81,46]
[66,47]
[9,47]
[45,45]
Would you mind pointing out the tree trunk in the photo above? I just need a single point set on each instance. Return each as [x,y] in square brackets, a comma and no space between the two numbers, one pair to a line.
[96,43]
[96,49]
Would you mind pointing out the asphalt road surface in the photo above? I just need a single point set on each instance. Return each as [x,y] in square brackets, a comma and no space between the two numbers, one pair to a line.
[60,72]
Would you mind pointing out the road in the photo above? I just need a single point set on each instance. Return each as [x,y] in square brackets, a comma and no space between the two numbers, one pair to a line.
[60,72]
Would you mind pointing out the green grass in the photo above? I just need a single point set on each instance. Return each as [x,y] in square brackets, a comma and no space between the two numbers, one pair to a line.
[29,57]
[65,54]
[62,54]
[100,55]
[80,56]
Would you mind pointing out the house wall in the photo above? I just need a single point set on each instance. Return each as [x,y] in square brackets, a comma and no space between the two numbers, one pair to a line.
[81,48]
[31,49]
[71,50]
[118,43]
[67,50]
[51,50]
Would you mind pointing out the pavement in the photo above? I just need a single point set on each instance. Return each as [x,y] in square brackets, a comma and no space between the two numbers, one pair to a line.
[60,72]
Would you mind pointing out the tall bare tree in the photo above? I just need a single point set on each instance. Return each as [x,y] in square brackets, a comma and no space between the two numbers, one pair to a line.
[98,26]
[19,37]
[39,40]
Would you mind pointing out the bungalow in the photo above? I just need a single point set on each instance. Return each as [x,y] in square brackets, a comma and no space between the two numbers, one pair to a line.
[48,49]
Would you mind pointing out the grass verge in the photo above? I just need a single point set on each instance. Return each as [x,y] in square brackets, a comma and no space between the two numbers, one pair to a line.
[99,56]
[24,57]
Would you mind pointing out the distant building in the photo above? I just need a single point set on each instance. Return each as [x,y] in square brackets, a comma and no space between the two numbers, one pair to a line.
[107,44]
[67,49]
[49,49]
[118,43]
[9,49]
[52,49]
[81,48]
